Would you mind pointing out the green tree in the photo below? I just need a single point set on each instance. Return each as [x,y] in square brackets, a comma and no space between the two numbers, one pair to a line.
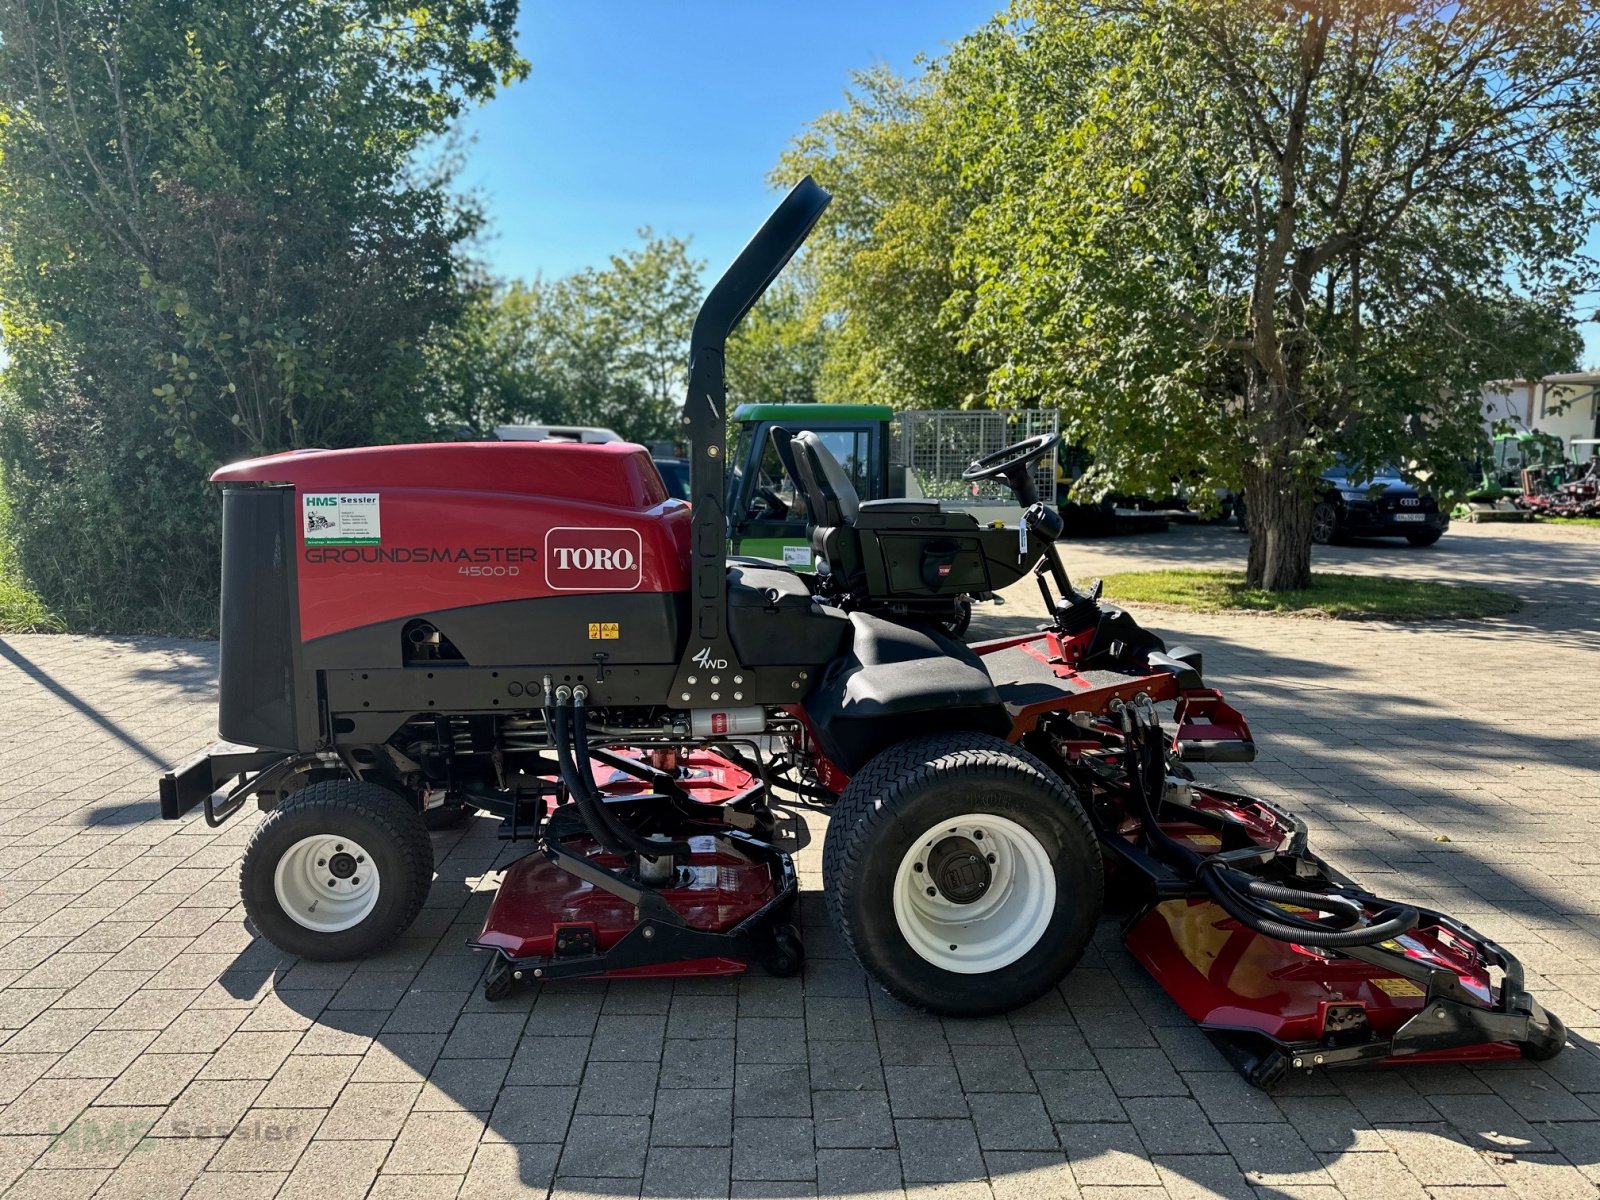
[489,370]
[886,286]
[1231,240]
[218,239]
[776,354]
[614,340]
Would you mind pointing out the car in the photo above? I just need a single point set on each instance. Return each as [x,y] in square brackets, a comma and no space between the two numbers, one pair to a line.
[1375,504]
[675,474]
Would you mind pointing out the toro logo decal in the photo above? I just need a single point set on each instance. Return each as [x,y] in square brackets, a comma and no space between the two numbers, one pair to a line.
[593,560]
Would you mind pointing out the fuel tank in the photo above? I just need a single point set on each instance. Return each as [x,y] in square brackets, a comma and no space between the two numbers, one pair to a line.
[470,553]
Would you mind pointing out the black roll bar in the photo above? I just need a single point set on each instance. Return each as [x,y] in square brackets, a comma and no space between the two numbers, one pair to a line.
[705,419]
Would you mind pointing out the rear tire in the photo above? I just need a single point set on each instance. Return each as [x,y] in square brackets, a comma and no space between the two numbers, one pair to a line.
[963,874]
[338,870]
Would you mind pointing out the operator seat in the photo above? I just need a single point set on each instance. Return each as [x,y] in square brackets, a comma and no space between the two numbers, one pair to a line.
[834,509]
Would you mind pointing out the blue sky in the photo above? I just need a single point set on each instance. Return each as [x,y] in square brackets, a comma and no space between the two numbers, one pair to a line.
[670,113]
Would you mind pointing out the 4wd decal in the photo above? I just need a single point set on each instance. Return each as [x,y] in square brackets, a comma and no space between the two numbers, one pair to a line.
[593,560]
[340,519]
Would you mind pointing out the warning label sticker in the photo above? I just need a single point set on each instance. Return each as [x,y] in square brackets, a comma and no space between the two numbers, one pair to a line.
[604,631]
[1398,987]
[340,519]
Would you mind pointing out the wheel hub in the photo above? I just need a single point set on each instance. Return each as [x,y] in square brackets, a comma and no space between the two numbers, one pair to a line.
[959,869]
[975,893]
[327,883]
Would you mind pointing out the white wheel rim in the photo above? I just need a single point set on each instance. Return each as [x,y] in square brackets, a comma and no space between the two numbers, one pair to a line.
[997,927]
[326,883]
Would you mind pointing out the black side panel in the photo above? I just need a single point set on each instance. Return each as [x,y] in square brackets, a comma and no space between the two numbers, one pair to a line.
[256,654]
[627,627]
[897,681]
[774,620]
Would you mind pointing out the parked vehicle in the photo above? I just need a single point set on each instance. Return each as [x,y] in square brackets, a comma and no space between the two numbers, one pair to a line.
[675,474]
[1375,504]
[623,697]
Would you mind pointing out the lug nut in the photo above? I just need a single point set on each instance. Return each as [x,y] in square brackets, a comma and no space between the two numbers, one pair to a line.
[933,891]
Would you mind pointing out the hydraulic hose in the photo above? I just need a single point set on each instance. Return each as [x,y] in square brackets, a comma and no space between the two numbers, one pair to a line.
[1249,905]
[585,782]
[557,720]
[1389,923]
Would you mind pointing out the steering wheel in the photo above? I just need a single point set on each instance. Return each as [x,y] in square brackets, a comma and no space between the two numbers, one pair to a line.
[1004,463]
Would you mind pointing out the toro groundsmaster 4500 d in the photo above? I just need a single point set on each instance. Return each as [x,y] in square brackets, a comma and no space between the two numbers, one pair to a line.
[536,631]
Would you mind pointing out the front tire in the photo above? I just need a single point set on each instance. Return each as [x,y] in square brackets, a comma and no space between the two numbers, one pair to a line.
[963,874]
[336,871]
[1324,523]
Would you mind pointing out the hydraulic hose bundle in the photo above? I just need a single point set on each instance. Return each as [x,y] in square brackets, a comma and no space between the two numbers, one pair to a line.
[1255,903]
[567,721]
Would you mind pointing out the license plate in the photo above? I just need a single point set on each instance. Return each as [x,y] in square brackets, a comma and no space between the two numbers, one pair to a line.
[1411,516]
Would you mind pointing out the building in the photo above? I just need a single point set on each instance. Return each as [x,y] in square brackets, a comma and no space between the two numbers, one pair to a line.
[1565,405]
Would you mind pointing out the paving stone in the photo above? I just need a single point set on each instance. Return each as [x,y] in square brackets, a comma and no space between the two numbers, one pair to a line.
[436,1143]
[925,1092]
[697,1063]
[1272,1155]
[1170,1125]
[845,1066]
[677,1171]
[938,1151]
[464,1084]
[548,1061]
[499,1170]
[844,1172]
[773,1148]
[1011,1121]
[619,1089]
[369,1111]
[1109,1154]
[1078,1096]
[772,1090]
[267,1139]
[532,1114]
[1029,1175]
[851,1120]
[606,1147]
[693,1117]
[334,1169]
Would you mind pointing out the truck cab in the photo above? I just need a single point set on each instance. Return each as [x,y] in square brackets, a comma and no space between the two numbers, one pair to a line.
[765,517]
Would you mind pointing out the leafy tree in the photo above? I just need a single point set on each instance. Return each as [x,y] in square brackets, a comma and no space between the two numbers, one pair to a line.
[613,341]
[883,258]
[776,354]
[216,241]
[489,370]
[1233,239]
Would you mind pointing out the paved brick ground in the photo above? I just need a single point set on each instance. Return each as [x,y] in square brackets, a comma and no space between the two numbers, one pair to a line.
[150,1047]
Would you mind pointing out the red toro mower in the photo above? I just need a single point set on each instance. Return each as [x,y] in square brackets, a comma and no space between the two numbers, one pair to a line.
[536,631]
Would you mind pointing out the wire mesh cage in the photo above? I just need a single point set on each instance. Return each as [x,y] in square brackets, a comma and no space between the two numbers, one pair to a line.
[936,446]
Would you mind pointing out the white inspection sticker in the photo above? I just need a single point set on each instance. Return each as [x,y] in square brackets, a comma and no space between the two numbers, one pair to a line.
[340,519]
[797,556]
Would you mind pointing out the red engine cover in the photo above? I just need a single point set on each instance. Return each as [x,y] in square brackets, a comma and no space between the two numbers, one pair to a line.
[389,531]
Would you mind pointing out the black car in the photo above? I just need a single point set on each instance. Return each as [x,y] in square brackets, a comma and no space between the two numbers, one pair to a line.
[675,474]
[1375,504]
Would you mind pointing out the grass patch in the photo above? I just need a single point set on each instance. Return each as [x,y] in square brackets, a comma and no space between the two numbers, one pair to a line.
[1340,596]
[20,610]
[1591,522]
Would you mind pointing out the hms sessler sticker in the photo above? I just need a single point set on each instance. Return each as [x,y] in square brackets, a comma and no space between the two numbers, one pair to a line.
[340,519]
